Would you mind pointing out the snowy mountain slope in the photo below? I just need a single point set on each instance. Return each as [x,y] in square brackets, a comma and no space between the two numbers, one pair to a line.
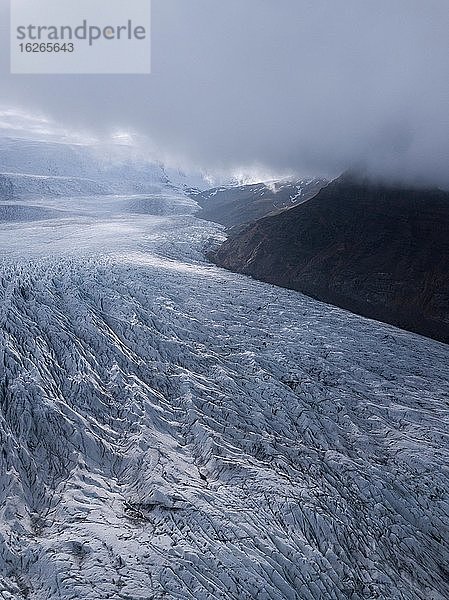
[49,167]
[10,213]
[121,162]
[46,157]
[62,168]
[173,430]
[18,185]
[234,206]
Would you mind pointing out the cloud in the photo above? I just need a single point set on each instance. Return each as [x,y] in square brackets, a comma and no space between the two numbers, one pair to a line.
[310,86]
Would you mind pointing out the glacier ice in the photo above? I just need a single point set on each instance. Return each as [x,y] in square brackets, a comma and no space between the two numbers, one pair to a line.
[172,430]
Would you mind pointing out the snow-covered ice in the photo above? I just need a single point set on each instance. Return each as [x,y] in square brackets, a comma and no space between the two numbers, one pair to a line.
[170,430]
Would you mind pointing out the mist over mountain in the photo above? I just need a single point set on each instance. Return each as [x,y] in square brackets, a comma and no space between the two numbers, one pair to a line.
[175,429]
[172,430]
[235,206]
[309,88]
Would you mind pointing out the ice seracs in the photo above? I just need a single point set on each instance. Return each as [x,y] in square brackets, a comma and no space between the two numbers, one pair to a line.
[172,430]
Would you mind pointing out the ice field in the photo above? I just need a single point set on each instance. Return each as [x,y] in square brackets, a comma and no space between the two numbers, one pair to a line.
[172,430]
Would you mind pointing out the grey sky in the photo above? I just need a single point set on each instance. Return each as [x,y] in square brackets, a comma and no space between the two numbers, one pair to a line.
[311,86]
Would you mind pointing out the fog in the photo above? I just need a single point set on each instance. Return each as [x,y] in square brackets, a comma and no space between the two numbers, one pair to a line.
[312,87]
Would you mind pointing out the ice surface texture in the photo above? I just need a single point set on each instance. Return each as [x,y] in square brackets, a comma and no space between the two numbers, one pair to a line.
[170,430]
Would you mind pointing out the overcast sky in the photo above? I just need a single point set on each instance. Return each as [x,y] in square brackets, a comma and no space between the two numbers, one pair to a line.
[310,86]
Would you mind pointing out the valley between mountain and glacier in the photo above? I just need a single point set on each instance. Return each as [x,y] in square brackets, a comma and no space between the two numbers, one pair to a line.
[173,430]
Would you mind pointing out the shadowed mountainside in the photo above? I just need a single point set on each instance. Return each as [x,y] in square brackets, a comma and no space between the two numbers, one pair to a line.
[379,251]
[235,206]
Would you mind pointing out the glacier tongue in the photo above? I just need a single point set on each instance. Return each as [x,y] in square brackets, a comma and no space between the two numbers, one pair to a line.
[172,430]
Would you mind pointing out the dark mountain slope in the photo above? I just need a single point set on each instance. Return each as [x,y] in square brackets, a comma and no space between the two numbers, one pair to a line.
[234,206]
[379,251]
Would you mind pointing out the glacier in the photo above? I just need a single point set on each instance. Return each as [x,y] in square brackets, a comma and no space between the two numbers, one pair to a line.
[44,165]
[171,430]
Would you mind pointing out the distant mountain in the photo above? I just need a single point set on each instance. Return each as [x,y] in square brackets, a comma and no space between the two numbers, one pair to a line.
[379,251]
[237,205]
[53,168]
[18,185]
[88,161]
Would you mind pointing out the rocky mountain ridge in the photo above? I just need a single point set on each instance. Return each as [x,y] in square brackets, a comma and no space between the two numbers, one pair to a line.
[379,251]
